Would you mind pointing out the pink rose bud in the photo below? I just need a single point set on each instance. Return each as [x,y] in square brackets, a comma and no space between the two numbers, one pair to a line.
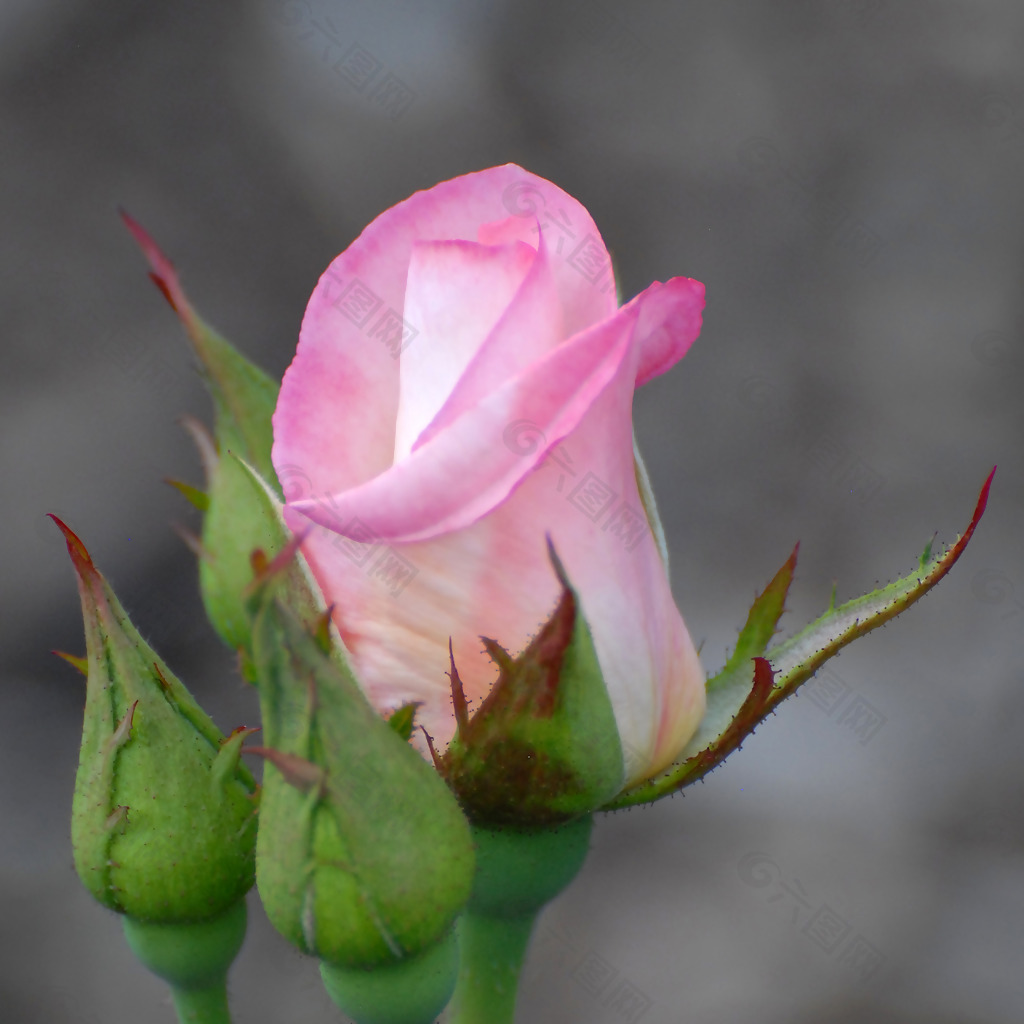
[462,391]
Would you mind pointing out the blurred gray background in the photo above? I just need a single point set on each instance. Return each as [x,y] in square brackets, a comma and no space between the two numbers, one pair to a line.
[844,176]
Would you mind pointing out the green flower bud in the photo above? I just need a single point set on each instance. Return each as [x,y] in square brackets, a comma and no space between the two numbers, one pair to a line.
[244,398]
[543,747]
[364,858]
[164,815]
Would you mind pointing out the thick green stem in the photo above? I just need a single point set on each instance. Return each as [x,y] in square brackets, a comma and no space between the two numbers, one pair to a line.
[202,1005]
[413,990]
[493,949]
[517,872]
[193,958]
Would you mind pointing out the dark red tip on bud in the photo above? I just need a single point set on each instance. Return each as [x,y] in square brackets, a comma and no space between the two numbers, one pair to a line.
[303,775]
[240,730]
[76,549]
[163,274]
[459,703]
[264,569]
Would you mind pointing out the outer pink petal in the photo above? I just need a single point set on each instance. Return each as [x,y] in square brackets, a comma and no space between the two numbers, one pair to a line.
[463,472]
[456,293]
[466,470]
[494,579]
[599,527]
[669,324]
[343,382]
[580,262]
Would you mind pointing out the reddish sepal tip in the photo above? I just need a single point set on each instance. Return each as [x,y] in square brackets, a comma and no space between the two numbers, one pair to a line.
[163,274]
[76,549]
[459,703]
[240,730]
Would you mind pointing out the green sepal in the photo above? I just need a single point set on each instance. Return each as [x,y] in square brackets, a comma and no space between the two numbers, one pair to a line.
[543,747]
[78,662]
[282,561]
[403,719]
[364,857]
[244,399]
[742,695]
[164,817]
[646,492]
[196,497]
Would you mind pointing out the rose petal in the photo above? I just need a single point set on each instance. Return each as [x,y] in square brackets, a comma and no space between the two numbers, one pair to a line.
[344,380]
[456,293]
[601,532]
[530,328]
[669,324]
[494,578]
[465,471]
[581,266]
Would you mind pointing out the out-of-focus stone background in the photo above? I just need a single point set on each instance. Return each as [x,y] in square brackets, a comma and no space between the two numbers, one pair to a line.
[845,176]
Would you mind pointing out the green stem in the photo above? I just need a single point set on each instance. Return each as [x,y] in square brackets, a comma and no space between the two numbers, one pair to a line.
[202,1005]
[518,871]
[193,958]
[492,956]
[413,990]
